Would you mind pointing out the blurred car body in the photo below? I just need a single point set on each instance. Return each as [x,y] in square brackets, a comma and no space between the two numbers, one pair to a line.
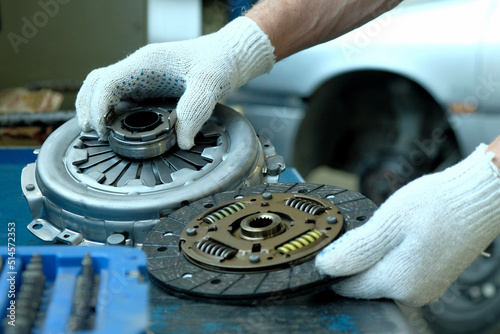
[409,93]
[391,100]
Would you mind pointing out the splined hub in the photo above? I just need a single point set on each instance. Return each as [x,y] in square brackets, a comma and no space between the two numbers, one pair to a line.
[255,242]
[261,226]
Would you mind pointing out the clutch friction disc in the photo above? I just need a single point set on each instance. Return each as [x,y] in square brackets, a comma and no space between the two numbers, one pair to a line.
[252,243]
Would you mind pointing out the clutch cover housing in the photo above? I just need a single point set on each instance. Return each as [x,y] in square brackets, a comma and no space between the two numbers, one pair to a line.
[82,190]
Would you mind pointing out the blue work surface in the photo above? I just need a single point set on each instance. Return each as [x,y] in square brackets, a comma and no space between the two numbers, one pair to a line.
[13,206]
[321,312]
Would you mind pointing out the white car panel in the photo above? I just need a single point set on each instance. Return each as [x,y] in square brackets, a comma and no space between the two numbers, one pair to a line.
[399,42]
[451,48]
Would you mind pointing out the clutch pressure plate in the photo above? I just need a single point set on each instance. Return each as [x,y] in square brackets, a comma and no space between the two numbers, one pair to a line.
[252,243]
[82,190]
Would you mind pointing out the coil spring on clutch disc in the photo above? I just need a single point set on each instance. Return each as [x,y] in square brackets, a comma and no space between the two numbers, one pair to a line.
[224,212]
[214,248]
[302,241]
[305,205]
[243,245]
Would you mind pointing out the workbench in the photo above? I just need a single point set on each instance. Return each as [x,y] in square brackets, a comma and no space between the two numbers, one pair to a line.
[319,312]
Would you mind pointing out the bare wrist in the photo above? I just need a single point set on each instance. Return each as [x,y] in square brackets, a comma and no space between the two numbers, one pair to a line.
[495,148]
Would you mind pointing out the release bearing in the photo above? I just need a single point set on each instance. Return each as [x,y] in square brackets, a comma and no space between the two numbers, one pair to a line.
[142,132]
[251,243]
[82,190]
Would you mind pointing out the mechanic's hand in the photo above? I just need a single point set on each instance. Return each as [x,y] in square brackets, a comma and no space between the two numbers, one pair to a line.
[422,238]
[201,70]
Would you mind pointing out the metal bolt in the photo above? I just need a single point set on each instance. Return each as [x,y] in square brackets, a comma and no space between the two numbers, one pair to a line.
[331,220]
[489,290]
[267,196]
[254,258]
[191,231]
[274,169]
[87,269]
[30,187]
[30,294]
[116,239]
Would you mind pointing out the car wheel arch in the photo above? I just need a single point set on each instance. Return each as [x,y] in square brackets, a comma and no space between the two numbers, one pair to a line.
[319,143]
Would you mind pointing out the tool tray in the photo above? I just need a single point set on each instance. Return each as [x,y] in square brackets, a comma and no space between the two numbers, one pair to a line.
[120,293]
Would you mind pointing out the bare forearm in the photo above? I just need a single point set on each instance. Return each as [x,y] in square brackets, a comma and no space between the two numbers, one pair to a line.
[294,25]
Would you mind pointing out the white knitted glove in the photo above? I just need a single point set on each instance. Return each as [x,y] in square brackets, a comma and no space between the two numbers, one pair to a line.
[422,238]
[201,70]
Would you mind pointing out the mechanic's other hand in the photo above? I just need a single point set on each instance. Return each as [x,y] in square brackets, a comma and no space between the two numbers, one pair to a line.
[200,71]
[422,238]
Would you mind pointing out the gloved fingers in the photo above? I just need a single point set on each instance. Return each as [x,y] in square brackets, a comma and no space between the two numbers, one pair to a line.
[421,239]
[83,116]
[100,108]
[360,248]
[395,277]
[83,101]
[150,72]
[193,110]
[365,285]
[104,89]
[95,99]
